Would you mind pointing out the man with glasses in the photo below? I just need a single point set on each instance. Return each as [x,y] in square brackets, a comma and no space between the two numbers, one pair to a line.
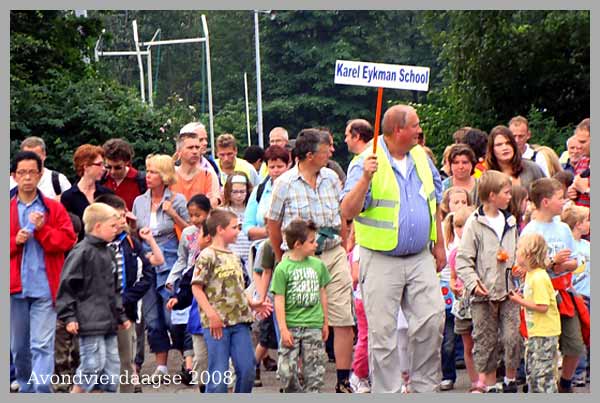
[40,234]
[121,177]
[52,183]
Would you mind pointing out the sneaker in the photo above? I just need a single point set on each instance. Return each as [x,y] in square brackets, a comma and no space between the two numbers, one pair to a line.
[158,376]
[359,385]
[14,386]
[565,390]
[186,375]
[257,381]
[137,388]
[510,388]
[447,384]
[460,364]
[579,382]
[492,389]
[343,387]
[269,364]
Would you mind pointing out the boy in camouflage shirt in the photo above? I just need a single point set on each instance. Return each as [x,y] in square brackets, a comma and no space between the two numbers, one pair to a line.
[301,307]
[218,286]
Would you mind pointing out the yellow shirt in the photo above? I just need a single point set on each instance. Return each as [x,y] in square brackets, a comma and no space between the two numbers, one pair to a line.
[538,288]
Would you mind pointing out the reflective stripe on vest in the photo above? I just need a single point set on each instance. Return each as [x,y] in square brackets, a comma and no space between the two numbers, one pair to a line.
[376,228]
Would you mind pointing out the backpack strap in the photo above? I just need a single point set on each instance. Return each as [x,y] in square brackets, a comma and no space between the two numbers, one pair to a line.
[261,188]
[56,183]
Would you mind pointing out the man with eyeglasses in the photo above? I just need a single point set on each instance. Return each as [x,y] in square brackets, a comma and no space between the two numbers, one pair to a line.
[52,183]
[40,235]
[121,177]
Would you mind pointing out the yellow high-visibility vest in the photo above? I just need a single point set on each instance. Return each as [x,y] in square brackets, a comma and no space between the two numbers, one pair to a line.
[376,228]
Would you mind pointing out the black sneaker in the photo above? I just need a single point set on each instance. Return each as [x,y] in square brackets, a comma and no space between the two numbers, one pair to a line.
[137,388]
[343,387]
[493,389]
[510,388]
[269,364]
[257,381]
[186,375]
[202,388]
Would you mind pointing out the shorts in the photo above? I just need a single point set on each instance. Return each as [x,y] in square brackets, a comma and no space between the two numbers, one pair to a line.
[100,365]
[571,341]
[182,340]
[266,333]
[463,326]
[340,302]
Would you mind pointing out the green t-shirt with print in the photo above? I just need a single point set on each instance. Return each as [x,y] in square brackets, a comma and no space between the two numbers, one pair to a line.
[221,274]
[300,283]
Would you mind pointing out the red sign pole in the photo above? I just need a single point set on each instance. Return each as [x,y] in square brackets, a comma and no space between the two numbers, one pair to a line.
[377,118]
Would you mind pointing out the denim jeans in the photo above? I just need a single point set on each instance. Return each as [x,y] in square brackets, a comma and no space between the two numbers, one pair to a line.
[237,344]
[448,349]
[99,363]
[156,316]
[32,329]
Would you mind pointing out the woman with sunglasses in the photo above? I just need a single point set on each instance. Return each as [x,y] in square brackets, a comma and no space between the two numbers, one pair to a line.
[89,166]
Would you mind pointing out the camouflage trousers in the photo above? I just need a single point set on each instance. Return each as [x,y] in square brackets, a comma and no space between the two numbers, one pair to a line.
[541,364]
[308,345]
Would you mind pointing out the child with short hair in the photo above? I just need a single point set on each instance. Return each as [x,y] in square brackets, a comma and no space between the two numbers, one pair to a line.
[485,256]
[454,198]
[135,275]
[218,287]
[541,315]
[548,196]
[299,284]
[578,219]
[89,301]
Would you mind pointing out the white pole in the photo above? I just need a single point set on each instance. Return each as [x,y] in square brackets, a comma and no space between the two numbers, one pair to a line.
[259,125]
[123,53]
[139,57]
[149,59]
[209,82]
[247,108]
[172,41]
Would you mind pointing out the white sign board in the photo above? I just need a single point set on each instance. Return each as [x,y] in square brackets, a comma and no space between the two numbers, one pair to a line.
[367,74]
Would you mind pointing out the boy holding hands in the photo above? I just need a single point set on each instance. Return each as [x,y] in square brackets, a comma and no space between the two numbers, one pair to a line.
[89,301]
[301,307]
[548,196]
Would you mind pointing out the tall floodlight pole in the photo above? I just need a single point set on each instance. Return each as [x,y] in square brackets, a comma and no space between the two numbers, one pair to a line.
[150,97]
[139,58]
[259,124]
[209,84]
[247,108]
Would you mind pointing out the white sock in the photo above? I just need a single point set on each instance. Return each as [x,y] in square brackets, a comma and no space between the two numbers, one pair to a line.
[162,368]
[508,380]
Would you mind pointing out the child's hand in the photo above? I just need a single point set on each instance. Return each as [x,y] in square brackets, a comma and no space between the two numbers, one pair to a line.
[171,303]
[125,325]
[562,256]
[455,287]
[169,286]
[216,325]
[325,332]
[514,296]
[480,289]
[73,327]
[263,309]
[286,338]
[146,234]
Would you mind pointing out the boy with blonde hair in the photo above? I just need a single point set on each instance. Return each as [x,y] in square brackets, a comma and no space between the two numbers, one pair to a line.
[541,315]
[485,256]
[548,196]
[89,301]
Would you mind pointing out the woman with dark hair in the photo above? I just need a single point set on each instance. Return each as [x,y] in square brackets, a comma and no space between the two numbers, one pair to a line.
[462,167]
[503,155]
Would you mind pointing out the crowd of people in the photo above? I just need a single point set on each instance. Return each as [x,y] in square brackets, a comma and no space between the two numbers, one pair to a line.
[394,269]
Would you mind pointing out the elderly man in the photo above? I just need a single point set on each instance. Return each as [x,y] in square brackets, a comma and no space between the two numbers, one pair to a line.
[519,126]
[311,191]
[51,183]
[393,198]
[278,136]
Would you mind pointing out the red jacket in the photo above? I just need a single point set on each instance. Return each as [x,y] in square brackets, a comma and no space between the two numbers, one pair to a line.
[55,237]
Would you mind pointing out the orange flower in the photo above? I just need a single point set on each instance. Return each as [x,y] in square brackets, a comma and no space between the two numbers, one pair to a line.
[502,255]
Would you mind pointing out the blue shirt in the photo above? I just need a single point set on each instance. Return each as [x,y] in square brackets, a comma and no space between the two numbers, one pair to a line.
[33,266]
[581,281]
[413,219]
[256,211]
[558,236]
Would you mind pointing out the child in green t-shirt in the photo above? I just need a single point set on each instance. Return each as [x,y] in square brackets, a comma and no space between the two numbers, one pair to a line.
[301,308]
[541,315]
